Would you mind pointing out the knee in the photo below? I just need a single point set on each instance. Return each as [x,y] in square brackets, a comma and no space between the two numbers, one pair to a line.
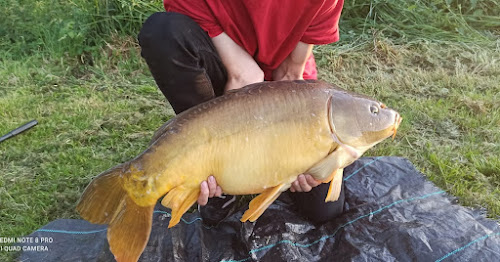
[312,206]
[327,213]
[162,27]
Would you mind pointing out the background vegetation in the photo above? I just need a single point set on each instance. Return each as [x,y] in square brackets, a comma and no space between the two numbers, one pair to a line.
[75,67]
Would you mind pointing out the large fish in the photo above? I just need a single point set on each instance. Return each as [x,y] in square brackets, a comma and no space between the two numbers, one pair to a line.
[254,140]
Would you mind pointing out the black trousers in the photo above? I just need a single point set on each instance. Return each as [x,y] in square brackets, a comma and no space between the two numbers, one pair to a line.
[189,71]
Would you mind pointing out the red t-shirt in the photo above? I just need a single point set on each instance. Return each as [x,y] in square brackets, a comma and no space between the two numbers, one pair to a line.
[268,30]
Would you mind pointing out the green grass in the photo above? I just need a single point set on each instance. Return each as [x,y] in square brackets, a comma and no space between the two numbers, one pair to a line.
[436,62]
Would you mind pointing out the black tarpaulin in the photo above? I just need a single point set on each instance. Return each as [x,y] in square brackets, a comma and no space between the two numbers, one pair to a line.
[392,213]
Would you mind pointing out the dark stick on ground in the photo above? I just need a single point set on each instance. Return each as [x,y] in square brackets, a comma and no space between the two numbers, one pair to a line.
[19,130]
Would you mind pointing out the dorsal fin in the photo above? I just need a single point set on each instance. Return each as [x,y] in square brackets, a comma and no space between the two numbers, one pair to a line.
[161,131]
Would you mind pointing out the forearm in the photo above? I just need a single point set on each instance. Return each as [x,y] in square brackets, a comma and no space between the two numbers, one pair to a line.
[241,68]
[292,68]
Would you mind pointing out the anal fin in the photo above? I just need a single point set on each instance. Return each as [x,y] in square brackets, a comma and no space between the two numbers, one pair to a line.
[260,203]
[179,200]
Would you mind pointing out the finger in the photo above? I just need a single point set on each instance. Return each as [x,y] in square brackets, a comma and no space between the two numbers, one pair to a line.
[218,191]
[203,197]
[212,186]
[292,189]
[296,186]
[311,181]
[303,184]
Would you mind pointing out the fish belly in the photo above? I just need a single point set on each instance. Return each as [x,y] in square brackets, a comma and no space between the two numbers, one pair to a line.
[250,163]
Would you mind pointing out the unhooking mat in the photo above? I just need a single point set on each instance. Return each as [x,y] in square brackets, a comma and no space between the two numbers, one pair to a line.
[392,213]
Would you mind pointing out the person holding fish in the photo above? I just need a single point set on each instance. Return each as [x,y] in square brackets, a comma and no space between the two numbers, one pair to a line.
[201,49]
[255,139]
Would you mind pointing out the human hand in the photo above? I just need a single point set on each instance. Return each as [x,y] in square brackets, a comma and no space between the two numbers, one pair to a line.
[208,189]
[241,67]
[292,68]
[304,183]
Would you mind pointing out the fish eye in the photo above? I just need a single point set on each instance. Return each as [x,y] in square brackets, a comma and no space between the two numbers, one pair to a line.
[374,109]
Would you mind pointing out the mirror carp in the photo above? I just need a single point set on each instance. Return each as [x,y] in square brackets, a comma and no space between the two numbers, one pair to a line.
[255,140]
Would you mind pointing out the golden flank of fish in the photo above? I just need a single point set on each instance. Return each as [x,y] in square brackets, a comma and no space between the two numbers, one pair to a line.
[255,140]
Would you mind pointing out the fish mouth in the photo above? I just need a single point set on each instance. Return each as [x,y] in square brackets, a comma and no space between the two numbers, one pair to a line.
[397,122]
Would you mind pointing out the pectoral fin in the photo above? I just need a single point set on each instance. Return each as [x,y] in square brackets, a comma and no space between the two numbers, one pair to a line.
[334,178]
[260,203]
[180,199]
[326,169]
[335,186]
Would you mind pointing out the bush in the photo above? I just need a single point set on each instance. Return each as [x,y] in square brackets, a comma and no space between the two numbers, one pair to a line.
[435,20]
[79,27]
[60,28]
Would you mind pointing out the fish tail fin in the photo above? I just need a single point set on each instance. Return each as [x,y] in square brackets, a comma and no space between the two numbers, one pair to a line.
[105,201]
[179,200]
[128,232]
[103,197]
